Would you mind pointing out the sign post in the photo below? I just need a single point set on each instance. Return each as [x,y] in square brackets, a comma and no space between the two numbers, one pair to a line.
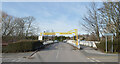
[106,43]
[109,34]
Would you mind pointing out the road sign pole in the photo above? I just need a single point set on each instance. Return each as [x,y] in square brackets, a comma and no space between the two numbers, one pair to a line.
[106,44]
[112,44]
[109,34]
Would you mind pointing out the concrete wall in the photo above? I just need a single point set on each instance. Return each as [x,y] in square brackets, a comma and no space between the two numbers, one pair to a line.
[48,42]
[86,43]
[89,43]
[72,42]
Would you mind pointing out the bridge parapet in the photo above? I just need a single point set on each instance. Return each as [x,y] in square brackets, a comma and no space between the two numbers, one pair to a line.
[89,43]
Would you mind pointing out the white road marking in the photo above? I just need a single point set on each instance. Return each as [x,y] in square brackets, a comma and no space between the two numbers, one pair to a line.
[53,45]
[61,48]
[93,60]
[18,60]
[13,60]
[88,58]
[57,54]
[56,47]
[97,60]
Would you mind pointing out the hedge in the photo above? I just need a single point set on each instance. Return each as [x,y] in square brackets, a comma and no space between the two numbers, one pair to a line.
[102,45]
[22,46]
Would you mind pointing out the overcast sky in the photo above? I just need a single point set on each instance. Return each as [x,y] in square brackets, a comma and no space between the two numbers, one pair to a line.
[57,16]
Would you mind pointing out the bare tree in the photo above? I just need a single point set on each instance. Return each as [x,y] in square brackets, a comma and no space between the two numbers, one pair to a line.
[110,16]
[29,21]
[91,23]
[14,28]
[8,25]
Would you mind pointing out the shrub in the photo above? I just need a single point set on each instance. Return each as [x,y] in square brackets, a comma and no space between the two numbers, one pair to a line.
[102,45]
[22,46]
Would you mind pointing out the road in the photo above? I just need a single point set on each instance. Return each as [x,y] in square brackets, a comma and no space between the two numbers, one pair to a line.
[62,52]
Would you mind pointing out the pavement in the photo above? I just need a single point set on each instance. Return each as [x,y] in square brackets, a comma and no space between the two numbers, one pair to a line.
[15,57]
[61,52]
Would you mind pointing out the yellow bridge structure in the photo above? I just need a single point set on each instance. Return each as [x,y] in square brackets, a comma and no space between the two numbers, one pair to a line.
[75,31]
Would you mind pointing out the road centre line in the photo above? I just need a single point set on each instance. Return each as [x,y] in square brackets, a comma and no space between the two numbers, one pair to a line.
[57,54]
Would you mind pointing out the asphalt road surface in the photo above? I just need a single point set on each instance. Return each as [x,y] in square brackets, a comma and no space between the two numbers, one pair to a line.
[62,52]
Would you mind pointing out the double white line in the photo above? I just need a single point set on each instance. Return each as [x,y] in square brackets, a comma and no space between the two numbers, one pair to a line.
[16,60]
[93,60]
